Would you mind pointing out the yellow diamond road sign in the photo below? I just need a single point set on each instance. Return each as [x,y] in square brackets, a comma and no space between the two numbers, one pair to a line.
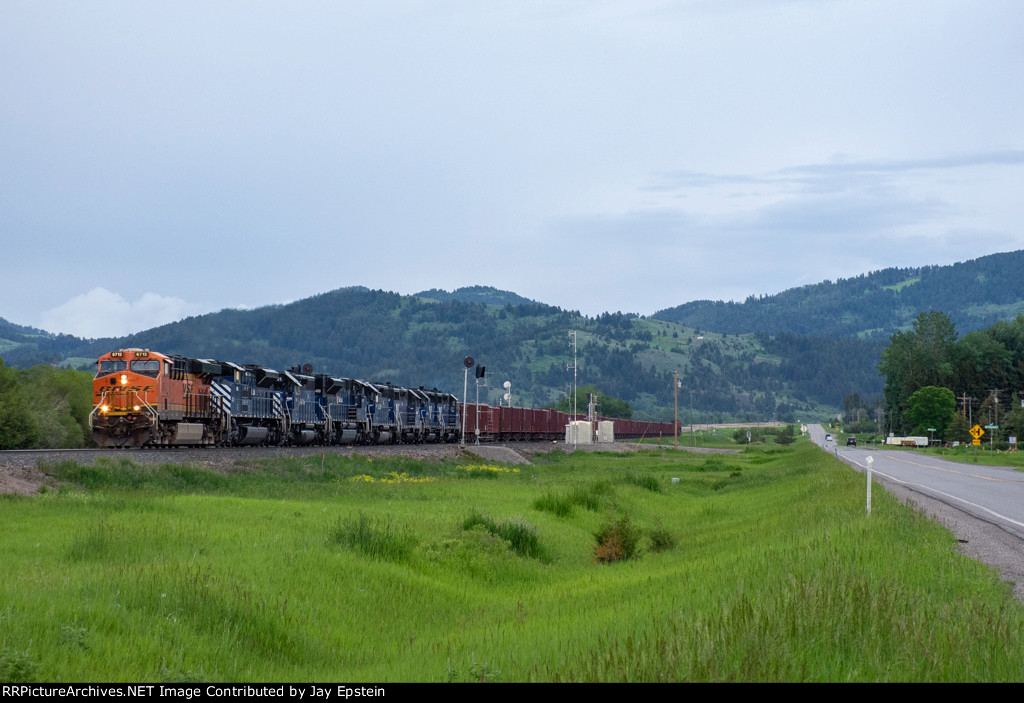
[977,432]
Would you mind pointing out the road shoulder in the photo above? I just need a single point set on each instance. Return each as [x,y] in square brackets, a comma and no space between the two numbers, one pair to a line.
[979,539]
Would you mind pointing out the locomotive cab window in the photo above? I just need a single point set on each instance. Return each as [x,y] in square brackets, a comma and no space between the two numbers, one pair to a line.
[147,367]
[109,366]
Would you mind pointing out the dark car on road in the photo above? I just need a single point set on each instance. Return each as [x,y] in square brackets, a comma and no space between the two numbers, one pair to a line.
[851,441]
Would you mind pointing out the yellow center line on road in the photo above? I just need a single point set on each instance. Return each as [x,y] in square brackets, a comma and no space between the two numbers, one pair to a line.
[954,471]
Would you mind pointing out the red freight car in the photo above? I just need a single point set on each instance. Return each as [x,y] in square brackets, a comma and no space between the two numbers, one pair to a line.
[504,424]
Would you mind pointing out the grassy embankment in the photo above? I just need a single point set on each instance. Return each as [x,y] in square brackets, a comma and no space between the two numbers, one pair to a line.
[759,566]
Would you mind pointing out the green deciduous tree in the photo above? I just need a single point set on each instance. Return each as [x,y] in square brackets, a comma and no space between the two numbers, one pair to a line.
[931,406]
[607,406]
[959,429]
[64,400]
[918,358]
[787,435]
[17,427]
[44,407]
[1011,419]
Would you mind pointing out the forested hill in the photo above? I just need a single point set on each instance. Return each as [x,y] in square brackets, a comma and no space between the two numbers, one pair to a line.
[413,341]
[975,294]
[11,331]
[795,354]
[25,346]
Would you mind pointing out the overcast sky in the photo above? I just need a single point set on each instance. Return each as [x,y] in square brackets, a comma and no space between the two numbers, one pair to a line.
[163,159]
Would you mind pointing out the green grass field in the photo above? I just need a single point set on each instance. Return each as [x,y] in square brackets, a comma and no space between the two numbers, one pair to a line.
[756,566]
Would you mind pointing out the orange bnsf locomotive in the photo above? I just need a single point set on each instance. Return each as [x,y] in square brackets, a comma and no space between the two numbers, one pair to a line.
[143,398]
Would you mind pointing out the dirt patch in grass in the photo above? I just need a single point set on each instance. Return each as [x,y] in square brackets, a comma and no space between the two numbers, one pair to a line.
[22,480]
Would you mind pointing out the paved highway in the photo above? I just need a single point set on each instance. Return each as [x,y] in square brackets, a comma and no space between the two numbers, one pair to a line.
[992,493]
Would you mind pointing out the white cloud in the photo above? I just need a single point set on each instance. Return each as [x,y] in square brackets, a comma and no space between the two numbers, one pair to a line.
[101,313]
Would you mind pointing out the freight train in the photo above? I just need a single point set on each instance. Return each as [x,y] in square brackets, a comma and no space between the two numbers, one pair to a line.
[142,398]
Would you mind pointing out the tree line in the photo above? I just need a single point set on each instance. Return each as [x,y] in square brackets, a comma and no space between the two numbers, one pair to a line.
[44,407]
[934,378]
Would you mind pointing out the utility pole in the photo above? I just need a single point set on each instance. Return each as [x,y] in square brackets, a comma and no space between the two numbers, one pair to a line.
[575,429]
[691,417]
[675,424]
[965,409]
[995,413]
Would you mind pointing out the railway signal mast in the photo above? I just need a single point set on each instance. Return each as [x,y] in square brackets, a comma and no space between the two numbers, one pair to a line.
[480,371]
[468,363]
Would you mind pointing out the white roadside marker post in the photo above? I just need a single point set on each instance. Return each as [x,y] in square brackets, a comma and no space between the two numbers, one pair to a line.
[870,462]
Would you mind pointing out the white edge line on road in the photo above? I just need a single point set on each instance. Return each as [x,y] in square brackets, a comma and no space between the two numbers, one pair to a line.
[926,489]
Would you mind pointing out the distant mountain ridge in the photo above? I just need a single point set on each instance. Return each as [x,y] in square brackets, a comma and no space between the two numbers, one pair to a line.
[10,330]
[791,355]
[412,341]
[23,346]
[975,294]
